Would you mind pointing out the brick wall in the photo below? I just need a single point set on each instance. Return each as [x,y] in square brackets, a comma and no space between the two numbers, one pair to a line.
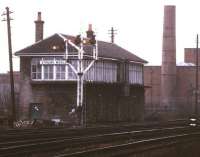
[152,80]
[190,55]
[185,85]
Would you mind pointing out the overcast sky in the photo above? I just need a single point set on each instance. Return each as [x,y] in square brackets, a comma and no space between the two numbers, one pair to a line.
[138,23]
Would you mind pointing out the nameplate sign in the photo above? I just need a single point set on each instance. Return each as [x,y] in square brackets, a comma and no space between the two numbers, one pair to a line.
[52,62]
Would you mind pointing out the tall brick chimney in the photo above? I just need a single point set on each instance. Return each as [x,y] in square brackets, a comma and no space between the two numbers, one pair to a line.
[168,69]
[39,28]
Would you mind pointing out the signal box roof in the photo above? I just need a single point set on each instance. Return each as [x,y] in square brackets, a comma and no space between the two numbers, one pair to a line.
[55,45]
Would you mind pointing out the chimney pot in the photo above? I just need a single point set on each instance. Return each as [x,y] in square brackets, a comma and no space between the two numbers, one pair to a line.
[90,32]
[90,27]
[39,18]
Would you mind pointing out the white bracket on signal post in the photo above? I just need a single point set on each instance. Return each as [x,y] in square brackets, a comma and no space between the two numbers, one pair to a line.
[80,71]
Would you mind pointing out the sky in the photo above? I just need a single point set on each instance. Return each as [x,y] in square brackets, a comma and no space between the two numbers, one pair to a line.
[139,24]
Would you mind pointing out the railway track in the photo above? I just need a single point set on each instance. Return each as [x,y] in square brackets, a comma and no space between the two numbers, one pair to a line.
[77,143]
[139,148]
[34,133]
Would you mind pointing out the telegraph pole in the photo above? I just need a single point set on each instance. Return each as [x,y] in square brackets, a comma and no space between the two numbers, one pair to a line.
[13,117]
[197,77]
[112,32]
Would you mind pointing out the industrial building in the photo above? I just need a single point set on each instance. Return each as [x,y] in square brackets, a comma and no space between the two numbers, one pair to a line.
[172,85]
[113,86]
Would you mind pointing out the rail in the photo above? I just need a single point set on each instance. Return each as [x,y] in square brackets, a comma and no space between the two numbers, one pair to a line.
[30,146]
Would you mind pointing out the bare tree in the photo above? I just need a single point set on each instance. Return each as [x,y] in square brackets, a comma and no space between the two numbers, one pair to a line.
[5,99]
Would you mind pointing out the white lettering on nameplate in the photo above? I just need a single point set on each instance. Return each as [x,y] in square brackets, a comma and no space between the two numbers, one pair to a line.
[52,62]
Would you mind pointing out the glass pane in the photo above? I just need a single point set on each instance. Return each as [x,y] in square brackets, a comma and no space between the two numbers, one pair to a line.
[57,68]
[33,75]
[36,68]
[45,75]
[39,68]
[51,68]
[63,68]
[33,68]
[45,69]
[39,76]
[51,76]
[62,75]
[57,75]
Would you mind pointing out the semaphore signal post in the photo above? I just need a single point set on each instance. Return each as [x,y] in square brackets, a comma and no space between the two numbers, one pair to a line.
[81,70]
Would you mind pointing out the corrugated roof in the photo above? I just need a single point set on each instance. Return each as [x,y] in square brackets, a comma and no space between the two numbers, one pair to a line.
[105,49]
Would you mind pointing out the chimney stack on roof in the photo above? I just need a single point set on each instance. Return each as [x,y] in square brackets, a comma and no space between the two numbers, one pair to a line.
[90,32]
[90,27]
[39,28]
